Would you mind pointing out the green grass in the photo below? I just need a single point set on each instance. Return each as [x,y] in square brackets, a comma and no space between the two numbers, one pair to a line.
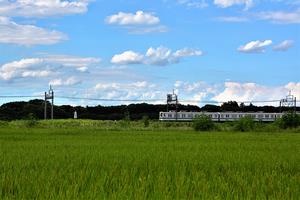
[90,163]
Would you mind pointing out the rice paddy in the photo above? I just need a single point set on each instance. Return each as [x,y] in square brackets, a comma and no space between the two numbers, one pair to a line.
[90,163]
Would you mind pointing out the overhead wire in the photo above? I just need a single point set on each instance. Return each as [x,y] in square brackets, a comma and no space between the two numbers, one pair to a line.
[136,100]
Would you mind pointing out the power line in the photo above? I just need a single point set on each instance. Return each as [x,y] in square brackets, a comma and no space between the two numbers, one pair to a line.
[8,97]
[116,100]
[137,100]
[154,100]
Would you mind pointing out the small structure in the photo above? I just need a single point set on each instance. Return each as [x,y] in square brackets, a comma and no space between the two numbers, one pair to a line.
[289,102]
[172,99]
[75,114]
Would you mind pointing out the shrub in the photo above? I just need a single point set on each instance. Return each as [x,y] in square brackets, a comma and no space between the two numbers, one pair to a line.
[289,120]
[203,123]
[3,123]
[31,120]
[145,121]
[245,124]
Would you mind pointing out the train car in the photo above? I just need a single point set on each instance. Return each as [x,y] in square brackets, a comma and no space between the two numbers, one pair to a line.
[218,116]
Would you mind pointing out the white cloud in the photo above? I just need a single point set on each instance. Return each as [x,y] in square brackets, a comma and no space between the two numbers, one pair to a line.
[44,66]
[80,63]
[121,86]
[187,52]
[255,46]
[194,92]
[197,93]
[281,17]
[243,92]
[137,23]
[140,90]
[194,3]
[229,3]
[128,57]
[13,33]
[145,30]
[160,56]
[62,82]
[138,18]
[232,19]
[284,46]
[294,88]
[18,68]
[42,8]
[36,73]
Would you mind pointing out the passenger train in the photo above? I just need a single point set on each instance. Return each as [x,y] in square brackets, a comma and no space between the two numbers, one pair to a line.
[219,116]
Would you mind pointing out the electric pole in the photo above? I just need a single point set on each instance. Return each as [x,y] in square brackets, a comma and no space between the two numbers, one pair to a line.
[49,96]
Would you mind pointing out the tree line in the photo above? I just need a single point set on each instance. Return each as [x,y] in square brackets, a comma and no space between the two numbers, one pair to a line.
[35,108]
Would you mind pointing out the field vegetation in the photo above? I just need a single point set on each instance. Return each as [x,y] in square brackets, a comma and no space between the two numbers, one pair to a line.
[86,159]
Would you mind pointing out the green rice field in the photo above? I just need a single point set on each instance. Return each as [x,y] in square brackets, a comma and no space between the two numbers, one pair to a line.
[90,163]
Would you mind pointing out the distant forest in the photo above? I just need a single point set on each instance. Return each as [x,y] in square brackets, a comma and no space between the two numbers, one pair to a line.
[35,108]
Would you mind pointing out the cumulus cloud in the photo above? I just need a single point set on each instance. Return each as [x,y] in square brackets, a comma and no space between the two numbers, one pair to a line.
[229,3]
[160,56]
[128,57]
[22,68]
[140,90]
[138,18]
[255,46]
[243,92]
[197,93]
[13,33]
[42,8]
[284,46]
[281,17]
[137,23]
[44,66]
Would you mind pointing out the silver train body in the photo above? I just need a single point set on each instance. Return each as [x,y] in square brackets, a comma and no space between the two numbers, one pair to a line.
[219,116]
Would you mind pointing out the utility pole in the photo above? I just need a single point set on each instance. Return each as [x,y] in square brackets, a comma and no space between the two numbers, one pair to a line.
[49,96]
[172,99]
[290,101]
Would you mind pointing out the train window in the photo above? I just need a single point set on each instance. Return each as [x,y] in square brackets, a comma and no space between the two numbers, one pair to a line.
[240,116]
[227,116]
[266,116]
[221,116]
[183,115]
[271,116]
[234,116]
[169,115]
[216,116]
[190,115]
[210,116]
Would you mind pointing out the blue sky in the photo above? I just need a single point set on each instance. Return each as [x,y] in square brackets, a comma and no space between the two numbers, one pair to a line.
[207,50]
